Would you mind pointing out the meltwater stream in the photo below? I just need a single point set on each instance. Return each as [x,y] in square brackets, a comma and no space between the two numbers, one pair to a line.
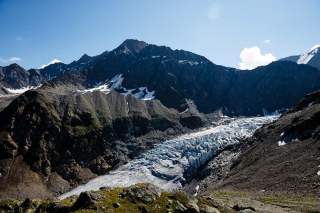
[165,164]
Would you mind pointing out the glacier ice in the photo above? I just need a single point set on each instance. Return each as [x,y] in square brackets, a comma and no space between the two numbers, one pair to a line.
[167,163]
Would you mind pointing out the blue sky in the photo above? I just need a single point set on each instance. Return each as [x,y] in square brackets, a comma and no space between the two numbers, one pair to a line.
[35,32]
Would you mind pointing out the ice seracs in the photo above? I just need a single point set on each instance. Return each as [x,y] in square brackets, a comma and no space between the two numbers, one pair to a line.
[168,163]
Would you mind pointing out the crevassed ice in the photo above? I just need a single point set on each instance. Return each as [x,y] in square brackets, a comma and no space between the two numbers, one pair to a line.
[166,164]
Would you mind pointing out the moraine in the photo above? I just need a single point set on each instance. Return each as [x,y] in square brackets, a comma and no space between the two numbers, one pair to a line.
[166,164]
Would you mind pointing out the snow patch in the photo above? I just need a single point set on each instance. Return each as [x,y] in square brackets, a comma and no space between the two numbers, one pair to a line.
[186,110]
[141,93]
[14,92]
[20,90]
[116,81]
[306,58]
[102,88]
[191,63]
[54,61]
[197,190]
[166,164]
[281,143]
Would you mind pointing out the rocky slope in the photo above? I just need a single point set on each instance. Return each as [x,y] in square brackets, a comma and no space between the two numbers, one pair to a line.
[55,137]
[285,155]
[281,158]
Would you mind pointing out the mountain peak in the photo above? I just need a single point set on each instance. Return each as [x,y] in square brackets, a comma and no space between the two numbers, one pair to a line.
[131,46]
[15,66]
[84,58]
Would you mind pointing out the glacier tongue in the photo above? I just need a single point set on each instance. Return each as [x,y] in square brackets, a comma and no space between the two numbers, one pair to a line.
[166,164]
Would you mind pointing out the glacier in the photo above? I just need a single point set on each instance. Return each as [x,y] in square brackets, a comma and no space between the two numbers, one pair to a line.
[167,163]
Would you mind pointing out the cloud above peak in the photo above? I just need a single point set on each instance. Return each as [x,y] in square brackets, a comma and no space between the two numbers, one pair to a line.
[7,61]
[252,57]
[54,61]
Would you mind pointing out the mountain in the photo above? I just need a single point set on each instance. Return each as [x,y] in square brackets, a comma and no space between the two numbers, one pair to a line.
[14,76]
[311,58]
[149,71]
[175,76]
[55,137]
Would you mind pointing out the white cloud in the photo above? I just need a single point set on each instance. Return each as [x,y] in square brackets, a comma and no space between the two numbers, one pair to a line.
[267,41]
[7,61]
[14,59]
[54,61]
[214,13]
[251,58]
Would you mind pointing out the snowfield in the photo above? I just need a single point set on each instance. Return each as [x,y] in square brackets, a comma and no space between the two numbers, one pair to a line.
[167,163]
[141,93]
[15,92]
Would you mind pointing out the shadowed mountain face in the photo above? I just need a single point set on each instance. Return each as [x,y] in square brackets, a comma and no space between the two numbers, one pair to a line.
[284,155]
[174,76]
[14,76]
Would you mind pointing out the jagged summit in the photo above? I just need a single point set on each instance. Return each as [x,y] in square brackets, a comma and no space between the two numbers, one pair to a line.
[131,46]
[14,66]
[84,58]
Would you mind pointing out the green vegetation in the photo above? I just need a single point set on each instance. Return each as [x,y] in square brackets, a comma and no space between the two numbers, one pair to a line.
[147,198]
